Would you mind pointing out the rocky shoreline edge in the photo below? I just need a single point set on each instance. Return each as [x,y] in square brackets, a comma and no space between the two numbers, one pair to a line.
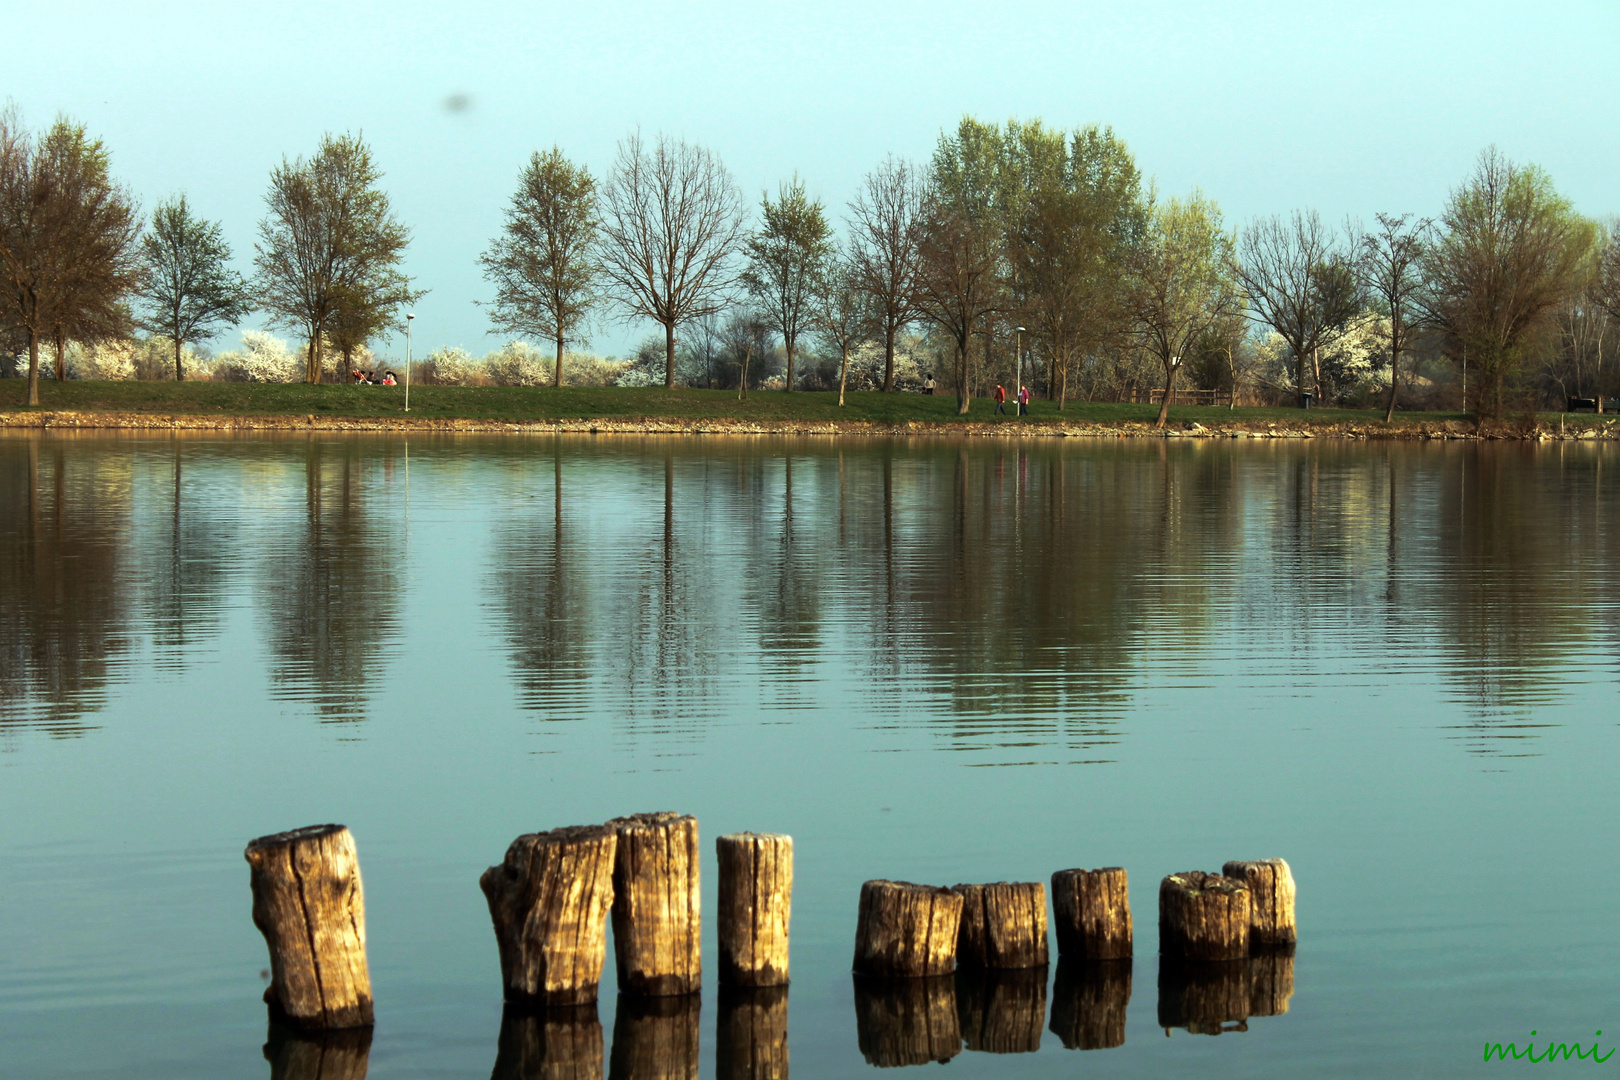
[67,420]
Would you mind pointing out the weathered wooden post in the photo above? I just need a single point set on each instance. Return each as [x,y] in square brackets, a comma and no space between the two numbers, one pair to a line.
[1002,925]
[657,905]
[308,903]
[655,1038]
[1271,901]
[301,1054]
[752,1033]
[1271,983]
[563,1043]
[906,930]
[1202,995]
[1089,1000]
[1203,917]
[756,908]
[1002,1011]
[549,901]
[1092,909]
[907,1021]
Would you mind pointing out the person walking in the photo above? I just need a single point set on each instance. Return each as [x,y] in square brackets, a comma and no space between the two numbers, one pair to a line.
[928,387]
[1001,400]
[1023,400]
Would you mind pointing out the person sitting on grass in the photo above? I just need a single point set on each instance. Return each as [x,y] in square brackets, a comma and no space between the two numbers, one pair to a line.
[389,380]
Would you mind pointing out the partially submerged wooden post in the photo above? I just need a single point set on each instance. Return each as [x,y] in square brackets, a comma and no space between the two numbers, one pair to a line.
[906,930]
[549,901]
[308,903]
[1203,917]
[756,908]
[655,1038]
[1092,910]
[1089,1001]
[751,1040]
[907,1021]
[1002,926]
[1271,901]
[1002,1011]
[657,905]
[294,1054]
[562,1043]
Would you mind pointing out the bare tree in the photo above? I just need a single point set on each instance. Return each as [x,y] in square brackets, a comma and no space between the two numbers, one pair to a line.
[1389,264]
[330,248]
[189,289]
[843,313]
[786,259]
[1293,275]
[745,334]
[672,226]
[884,223]
[544,263]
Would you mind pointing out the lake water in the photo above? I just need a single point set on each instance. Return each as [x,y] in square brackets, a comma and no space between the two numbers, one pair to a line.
[1395,665]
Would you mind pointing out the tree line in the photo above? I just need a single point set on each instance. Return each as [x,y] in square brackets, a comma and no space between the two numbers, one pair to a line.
[1017,251]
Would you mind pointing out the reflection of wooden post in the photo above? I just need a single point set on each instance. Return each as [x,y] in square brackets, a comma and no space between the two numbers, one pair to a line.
[308,903]
[549,1044]
[1202,995]
[1002,1011]
[756,907]
[1271,983]
[752,1035]
[1089,999]
[1002,926]
[906,1021]
[1271,901]
[1092,910]
[657,908]
[299,1054]
[549,901]
[906,930]
[655,1038]
[1203,917]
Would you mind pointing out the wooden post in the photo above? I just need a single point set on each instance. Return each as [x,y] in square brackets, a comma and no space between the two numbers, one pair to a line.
[752,1035]
[562,1043]
[656,1038]
[1002,925]
[1271,902]
[907,1021]
[657,906]
[756,907]
[549,901]
[906,930]
[1203,995]
[1092,909]
[1271,983]
[1002,1011]
[1203,917]
[300,1054]
[308,903]
[1089,1000]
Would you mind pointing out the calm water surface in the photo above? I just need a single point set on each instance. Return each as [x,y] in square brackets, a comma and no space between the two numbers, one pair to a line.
[1396,666]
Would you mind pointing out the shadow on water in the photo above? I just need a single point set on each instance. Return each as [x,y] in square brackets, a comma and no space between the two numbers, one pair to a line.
[331,1055]
[1209,997]
[1089,1001]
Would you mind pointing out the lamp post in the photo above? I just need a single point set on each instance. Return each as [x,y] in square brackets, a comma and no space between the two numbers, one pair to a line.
[1018,370]
[408,319]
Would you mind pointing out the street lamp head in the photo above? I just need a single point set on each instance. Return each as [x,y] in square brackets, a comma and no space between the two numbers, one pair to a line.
[1020,329]
[409,316]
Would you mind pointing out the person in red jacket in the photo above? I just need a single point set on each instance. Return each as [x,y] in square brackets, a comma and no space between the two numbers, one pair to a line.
[1001,399]
[1023,401]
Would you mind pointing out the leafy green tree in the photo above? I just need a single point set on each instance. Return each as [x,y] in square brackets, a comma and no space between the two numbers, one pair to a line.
[189,290]
[786,260]
[844,313]
[330,249]
[544,264]
[1509,252]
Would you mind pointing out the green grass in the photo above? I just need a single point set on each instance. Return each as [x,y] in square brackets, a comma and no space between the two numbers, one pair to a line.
[583,403]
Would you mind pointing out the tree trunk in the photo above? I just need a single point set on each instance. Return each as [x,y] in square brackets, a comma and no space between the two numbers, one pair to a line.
[348,362]
[1089,1000]
[843,376]
[549,901]
[669,356]
[1203,917]
[309,904]
[657,909]
[787,341]
[907,1021]
[60,344]
[179,371]
[656,1038]
[294,1054]
[1002,925]
[1002,1012]
[312,363]
[1092,909]
[33,367]
[549,1044]
[756,908]
[963,391]
[1170,371]
[1063,384]
[905,930]
[1394,385]
[888,358]
[752,1033]
[1271,901]
[556,372]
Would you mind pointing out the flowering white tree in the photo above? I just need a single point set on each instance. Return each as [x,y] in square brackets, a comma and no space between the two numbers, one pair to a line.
[517,363]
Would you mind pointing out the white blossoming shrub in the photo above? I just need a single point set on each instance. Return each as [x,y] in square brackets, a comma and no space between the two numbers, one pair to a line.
[588,369]
[449,366]
[263,358]
[517,363]
[103,360]
[912,363]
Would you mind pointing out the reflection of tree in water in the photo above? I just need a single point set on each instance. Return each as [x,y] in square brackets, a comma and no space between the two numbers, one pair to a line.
[188,544]
[64,623]
[331,587]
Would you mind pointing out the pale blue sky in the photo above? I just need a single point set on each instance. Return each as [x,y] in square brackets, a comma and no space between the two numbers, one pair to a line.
[1350,108]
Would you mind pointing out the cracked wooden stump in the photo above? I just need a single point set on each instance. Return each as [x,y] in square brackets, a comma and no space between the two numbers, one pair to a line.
[655,1038]
[1092,910]
[907,1021]
[548,901]
[1271,902]
[1203,917]
[1089,1000]
[308,903]
[756,907]
[562,1043]
[906,930]
[1002,925]
[752,1037]
[657,906]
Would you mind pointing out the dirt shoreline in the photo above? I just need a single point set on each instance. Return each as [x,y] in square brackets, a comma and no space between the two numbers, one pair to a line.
[68,420]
